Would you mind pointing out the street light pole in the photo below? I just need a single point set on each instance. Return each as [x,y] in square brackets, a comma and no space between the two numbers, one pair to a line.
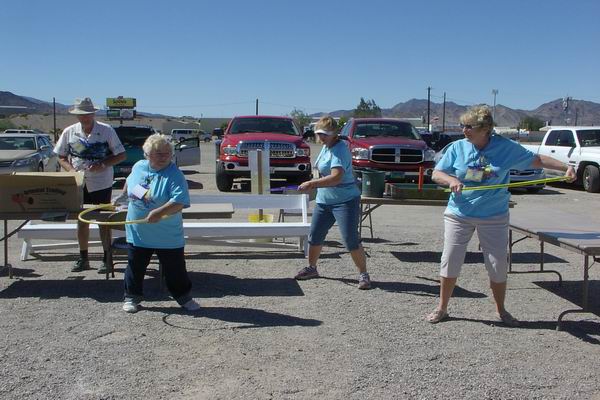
[428,107]
[494,92]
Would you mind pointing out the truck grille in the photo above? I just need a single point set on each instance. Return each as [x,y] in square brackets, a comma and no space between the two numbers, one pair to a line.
[277,149]
[524,172]
[396,155]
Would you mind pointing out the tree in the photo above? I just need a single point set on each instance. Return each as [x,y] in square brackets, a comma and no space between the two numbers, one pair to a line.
[367,109]
[301,118]
[531,124]
[6,124]
[342,121]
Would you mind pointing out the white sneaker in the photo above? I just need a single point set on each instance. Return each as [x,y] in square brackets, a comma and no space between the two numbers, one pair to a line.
[129,306]
[191,305]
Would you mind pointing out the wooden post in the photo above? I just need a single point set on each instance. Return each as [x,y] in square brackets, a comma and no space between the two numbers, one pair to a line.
[260,181]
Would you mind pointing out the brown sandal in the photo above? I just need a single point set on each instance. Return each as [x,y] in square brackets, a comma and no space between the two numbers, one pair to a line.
[437,316]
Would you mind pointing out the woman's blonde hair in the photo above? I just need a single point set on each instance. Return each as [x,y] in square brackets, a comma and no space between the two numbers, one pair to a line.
[157,141]
[327,123]
[478,116]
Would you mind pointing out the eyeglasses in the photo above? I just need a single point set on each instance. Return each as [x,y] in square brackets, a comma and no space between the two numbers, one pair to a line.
[469,126]
[159,154]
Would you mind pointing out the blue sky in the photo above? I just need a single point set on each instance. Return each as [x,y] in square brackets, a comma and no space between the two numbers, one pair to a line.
[214,58]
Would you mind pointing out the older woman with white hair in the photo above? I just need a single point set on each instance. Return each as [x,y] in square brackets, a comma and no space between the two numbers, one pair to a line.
[157,192]
[480,159]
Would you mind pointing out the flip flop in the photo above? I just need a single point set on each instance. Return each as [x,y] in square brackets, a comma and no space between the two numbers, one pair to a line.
[508,319]
[437,316]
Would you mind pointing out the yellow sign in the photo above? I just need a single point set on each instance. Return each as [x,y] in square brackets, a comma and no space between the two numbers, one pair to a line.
[120,102]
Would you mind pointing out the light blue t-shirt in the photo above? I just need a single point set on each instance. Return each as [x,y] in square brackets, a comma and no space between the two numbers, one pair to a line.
[495,162]
[166,185]
[337,156]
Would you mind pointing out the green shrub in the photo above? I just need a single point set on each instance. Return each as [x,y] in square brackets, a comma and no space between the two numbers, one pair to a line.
[6,124]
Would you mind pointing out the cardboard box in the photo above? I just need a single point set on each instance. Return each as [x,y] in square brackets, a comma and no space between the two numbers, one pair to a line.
[41,191]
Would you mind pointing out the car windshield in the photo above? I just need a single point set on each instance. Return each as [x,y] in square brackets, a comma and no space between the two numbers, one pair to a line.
[379,129]
[16,143]
[276,125]
[589,137]
[132,136]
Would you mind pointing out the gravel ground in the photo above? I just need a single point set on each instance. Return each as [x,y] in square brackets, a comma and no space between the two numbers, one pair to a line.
[262,335]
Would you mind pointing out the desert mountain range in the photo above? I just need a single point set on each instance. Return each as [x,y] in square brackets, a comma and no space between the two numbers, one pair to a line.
[580,112]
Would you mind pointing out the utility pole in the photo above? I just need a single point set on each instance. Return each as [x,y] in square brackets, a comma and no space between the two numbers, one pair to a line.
[428,106]
[54,117]
[256,106]
[444,114]
[494,92]
[566,108]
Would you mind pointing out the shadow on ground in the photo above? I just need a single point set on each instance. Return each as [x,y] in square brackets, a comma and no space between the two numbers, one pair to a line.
[417,289]
[576,324]
[473,257]
[588,331]
[205,285]
[247,317]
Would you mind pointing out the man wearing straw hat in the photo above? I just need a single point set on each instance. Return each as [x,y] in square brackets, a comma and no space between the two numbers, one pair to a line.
[93,148]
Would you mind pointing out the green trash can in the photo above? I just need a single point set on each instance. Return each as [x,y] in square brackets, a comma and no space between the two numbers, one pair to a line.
[373,183]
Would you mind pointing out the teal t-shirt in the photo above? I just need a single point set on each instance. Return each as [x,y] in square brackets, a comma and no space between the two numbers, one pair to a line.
[494,163]
[337,156]
[166,185]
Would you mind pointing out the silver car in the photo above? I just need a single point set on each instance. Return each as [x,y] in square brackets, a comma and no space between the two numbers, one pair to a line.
[27,152]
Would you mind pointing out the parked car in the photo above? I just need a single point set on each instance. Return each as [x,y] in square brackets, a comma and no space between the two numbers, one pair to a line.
[12,130]
[27,152]
[531,174]
[390,145]
[289,155]
[577,146]
[439,140]
[187,151]
[218,132]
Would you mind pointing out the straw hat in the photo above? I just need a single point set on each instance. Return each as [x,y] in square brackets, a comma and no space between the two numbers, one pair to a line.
[83,106]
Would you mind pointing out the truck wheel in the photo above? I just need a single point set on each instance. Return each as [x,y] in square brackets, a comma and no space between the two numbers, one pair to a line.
[591,179]
[224,182]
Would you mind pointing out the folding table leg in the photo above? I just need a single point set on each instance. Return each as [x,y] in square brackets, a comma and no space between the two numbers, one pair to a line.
[584,295]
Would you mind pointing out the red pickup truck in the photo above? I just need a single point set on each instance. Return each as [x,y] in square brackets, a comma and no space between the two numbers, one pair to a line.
[390,145]
[289,154]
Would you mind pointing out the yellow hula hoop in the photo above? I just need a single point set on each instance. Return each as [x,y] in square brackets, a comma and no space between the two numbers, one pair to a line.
[516,184]
[109,207]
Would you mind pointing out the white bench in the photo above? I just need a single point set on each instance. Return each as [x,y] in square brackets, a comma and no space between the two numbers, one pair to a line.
[218,233]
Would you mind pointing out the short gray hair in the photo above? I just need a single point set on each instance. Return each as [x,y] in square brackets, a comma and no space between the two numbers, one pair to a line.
[479,116]
[156,141]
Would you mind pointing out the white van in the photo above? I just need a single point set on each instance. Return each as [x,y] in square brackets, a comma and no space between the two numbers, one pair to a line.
[180,134]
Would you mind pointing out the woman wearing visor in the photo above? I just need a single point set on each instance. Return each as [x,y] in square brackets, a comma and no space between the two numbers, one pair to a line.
[338,200]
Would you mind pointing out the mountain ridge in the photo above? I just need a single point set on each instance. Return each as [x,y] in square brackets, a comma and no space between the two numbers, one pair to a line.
[581,112]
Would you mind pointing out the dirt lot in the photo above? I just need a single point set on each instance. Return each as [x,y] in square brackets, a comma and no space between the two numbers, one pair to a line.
[262,335]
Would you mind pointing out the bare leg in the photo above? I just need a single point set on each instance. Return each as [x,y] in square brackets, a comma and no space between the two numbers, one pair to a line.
[314,251]
[446,289]
[499,293]
[359,258]
[83,235]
